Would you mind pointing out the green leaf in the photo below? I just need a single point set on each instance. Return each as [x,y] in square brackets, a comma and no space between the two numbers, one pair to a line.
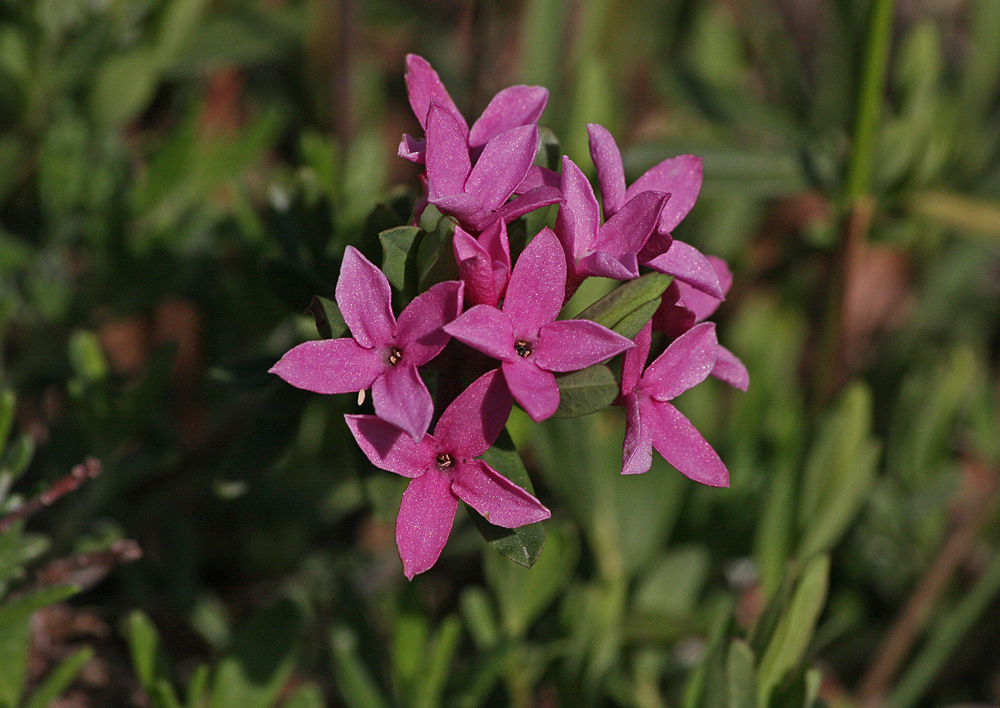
[706,686]
[631,324]
[409,650]
[124,85]
[144,646]
[586,391]
[522,545]
[329,322]
[435,255]
[477,612]
[624,300]
[673,584]
[179,18]
[795,628]
[399,256]
[356,686]
[59,679]
[741,682]
[8,404]
[308,695]
[430,687]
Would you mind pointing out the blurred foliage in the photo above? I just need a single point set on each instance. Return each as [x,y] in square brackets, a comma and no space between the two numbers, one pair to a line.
[178,181]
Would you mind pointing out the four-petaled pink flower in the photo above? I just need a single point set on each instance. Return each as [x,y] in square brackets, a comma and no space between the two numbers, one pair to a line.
[524,335]
[680,177]
[443,470]
[652,422]
[382,353]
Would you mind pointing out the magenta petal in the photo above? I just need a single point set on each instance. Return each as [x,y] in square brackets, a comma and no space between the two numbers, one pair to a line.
[681,178]
[484,328]
[634,359]
[500,501]
[571,345]
[511,108]
[503,164]
[446,155]
[729,369]
[608,162]
[579,217]
[389,448]
[627,230]
[474,420]
[423,85]
[538,177]
[637,448]
[682,445]
[529,201]
[686,363]
[475,268]
[412,149]
[466,208]
[401,397]
[535,390]
[331,366]
[688,265]
[365,300]
[537,285]
[426,515]
[607,265]
[420,335]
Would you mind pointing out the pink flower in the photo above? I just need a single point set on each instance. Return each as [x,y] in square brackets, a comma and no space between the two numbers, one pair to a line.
[610,249]
[524,335]
[680,177]
[381,353]
[484,263]
[443,470]
[652,422]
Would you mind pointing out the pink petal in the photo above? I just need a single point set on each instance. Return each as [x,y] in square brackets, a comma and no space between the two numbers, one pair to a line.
[579,216]
[673,317]
[537,285]
[365,300]
[446,155]
[331,366]
[389,448]
[701,304]
[682,445]
[729,369]
[401,397]
[474,420]
[503,164]
[423,85]
[535,390]
[571,345]
[511,108]
[494,240]
[485,328]
[607,265]
[686,363]
[466,208]
[412,149]
[535,199]
[637,448]
[627,230]
[656,245]
[680,177]
[688,265]
[538,177]
[475,268]
[634,359]
[420,335]
[499,500]
[608,162]
[424,522]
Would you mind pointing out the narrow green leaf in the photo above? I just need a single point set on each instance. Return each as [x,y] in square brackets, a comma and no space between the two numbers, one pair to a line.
[356,686]
[144,646]
[706,686]
[741,679]
[59,679]
[631,324]
[522,545]
[795,628]
[197,689]
[477,612]
[624,300]
[179,17]
[430,688]
[308,695]
[8,403]
[329,322]
[586,391]
[409,650]
[124,85]
[399,256]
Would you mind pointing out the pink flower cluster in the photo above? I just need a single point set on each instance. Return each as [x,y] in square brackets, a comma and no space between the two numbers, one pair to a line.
[485,177]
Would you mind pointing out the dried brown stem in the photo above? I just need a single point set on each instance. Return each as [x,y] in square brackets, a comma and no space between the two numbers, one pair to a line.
[88,469]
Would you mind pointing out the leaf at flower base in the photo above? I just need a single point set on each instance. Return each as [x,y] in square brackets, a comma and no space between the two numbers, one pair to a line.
[522,545]
[329,322]
[632,323]
[586,391]
[399,256]
[549,154]
[628,297]
[435,255]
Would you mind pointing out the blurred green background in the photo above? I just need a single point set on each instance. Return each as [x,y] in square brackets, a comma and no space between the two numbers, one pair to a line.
[179,178]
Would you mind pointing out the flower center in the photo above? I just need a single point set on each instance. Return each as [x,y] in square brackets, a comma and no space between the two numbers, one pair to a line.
[522,347]
[395,354]
[444,461]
